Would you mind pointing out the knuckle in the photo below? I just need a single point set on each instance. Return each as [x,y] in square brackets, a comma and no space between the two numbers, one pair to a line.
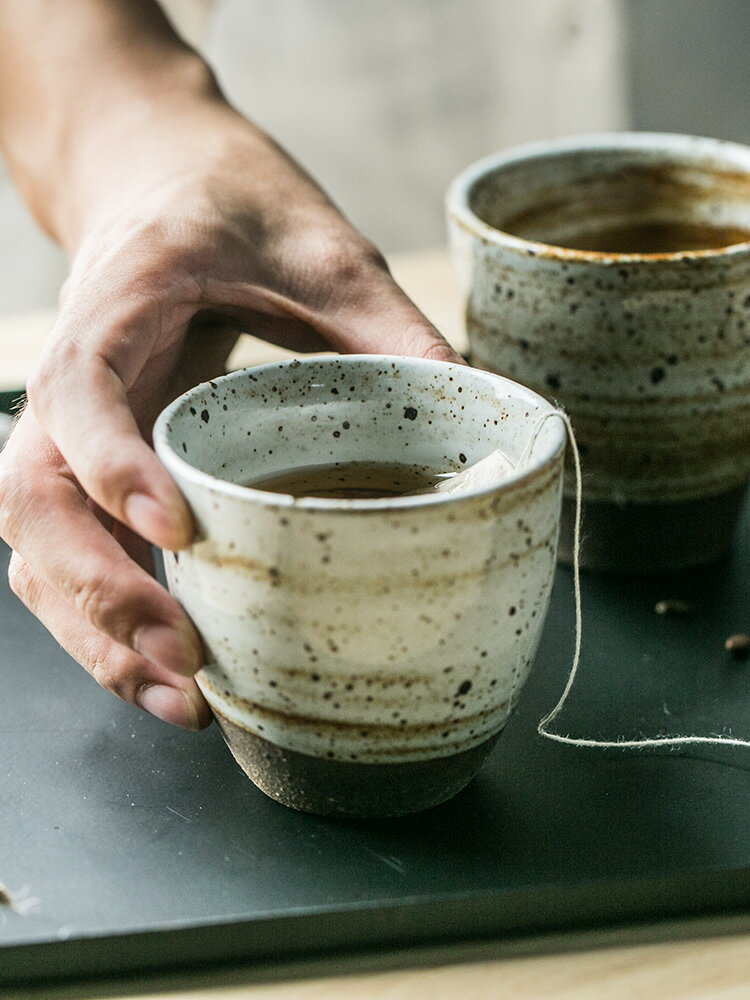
[36,383]
[113,668]
[164,254]
[41,381]
[17,500]
[43,385]
[21,578]
[346,262]
[98,659]
[95,598]
[109,478]
[115,603]
[345,269]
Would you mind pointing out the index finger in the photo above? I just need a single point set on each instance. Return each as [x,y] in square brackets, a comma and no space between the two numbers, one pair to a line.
[360,308]
[81,401]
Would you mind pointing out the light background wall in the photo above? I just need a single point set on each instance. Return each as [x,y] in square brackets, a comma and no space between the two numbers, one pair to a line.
[384,101]
[689,67]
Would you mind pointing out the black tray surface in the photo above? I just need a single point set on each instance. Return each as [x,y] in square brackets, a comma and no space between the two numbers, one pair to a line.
[145,847]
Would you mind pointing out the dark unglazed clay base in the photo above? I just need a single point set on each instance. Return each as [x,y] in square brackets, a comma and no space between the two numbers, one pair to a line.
[350,790]
[650,538]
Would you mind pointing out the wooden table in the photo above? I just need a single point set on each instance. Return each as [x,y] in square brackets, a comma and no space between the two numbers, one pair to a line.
[690,960]
[673,961]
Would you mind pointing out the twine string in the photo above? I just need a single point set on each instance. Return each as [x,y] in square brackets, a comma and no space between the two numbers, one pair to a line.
[543,728]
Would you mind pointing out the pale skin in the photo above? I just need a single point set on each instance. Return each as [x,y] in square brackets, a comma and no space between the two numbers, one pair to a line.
[180,219]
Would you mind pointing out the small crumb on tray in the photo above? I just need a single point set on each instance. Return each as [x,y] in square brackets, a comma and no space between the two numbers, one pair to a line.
[738,645]
[673,607]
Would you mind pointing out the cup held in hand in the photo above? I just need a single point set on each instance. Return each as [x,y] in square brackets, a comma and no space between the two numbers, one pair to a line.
[364,653]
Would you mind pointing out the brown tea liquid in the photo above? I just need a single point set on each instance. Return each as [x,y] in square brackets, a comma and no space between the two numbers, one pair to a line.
[352,480]
[661,237]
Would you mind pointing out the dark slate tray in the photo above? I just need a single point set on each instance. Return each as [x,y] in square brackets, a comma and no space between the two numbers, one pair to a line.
[148,849]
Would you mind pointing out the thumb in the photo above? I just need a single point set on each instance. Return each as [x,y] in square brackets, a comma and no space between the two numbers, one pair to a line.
[371,314]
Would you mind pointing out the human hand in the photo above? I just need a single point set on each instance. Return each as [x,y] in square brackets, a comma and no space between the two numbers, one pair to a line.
[205,224]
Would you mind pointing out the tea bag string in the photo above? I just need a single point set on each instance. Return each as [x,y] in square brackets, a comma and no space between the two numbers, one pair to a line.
[543,726]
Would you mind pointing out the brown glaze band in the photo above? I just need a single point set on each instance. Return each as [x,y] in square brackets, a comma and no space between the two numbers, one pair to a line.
[652,537]
[350,790]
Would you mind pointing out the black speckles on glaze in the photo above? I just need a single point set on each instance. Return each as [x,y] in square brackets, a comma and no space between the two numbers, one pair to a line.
[330,669]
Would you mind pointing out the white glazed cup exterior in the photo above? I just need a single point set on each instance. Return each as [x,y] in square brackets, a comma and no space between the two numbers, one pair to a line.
[377,631]
[648,352]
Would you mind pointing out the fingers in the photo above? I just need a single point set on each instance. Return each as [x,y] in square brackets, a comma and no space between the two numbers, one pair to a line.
[341,289]
[176,700]
[83,405]
[372,314]
[45,518]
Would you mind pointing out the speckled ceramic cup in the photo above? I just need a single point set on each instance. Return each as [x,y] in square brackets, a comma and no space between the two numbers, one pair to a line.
[363,654]
[612,273]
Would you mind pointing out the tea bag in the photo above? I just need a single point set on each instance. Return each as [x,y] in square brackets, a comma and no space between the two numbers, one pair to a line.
[497,466]
[488,471]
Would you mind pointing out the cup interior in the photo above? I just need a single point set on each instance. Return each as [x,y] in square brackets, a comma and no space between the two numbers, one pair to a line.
[636,195]
[262,421]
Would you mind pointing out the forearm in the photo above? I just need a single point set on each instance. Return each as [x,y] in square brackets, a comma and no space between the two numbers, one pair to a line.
[80,80]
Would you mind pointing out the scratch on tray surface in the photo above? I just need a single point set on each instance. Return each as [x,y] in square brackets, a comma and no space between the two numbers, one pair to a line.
[388,859]
[186,818]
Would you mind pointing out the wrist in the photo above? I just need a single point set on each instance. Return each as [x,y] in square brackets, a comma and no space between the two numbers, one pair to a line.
[119,141]
[82,85]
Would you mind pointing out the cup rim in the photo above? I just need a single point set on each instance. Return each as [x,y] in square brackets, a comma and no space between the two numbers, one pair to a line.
[180,469]
[701,147]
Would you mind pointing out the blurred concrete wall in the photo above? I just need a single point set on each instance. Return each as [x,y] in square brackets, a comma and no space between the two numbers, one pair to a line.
[689,66]
[383,101]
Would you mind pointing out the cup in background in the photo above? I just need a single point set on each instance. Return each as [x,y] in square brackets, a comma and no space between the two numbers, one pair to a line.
[611,273]
[363,655]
